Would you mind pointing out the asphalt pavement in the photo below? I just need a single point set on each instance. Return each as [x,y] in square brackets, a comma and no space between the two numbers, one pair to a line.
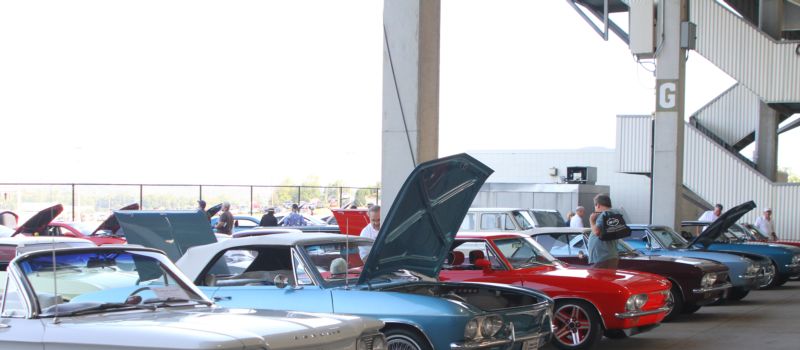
[764,320]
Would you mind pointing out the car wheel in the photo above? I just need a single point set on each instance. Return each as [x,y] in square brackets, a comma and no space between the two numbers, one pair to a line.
[690,308]
[677,303]
[577,325]
[401,339]
[773,282]
[737,293]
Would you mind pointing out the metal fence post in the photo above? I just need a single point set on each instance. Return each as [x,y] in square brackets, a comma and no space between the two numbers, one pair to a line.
[141,197]
[251,200]
[298,195]
[201,191]
[340,196]
[73,202]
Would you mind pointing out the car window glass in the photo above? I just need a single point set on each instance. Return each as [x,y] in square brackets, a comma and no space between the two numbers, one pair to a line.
[300,271]
[246,223]
[667,238]
[12,305]
[338,262]
[508,224]
[490,221]
[524,219]
[555,243]
[548,218]
[469,223]
[474,250]
[251,267]
[521,252]
[638,234]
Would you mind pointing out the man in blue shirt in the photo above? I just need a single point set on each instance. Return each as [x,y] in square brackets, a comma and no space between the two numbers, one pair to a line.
[602,254]
[294,218]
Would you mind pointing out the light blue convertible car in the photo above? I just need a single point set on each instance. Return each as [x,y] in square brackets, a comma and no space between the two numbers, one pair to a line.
[396,282]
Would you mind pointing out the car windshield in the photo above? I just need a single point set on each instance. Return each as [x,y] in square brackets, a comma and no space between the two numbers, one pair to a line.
[757,233]
[523,219]
[669,238]
[82,228]
[739,232]
[548,218]
[338,262]
[523,252]
[70,283]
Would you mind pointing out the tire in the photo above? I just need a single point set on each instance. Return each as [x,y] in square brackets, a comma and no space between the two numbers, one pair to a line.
[578,325]
[737,293]
[677,303]
[399,338]
[690,308]
[774,281]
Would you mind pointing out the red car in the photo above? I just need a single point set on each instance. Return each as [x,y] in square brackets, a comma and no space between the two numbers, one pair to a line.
[590,302]
[749,232]
[107,232]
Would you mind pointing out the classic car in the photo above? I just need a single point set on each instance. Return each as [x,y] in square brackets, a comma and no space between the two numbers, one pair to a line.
[37,224]
[746,271]
[351,221]
[10,247]
[126,297]
[510,219]
[108,232]
[240,222]
[695,282]
[397,282]
[748,232]
[588,302]
[785,259]
[245,222]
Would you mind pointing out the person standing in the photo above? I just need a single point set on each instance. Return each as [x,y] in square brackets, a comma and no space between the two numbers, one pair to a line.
[225,223]
[371,230]
[294,218]
[711,215]
[764,223]
[577,220]
[602,254]
[268,219]
[201,206]
[570,214]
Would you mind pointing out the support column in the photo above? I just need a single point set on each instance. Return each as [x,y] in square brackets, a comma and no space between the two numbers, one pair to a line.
[766,153]
[770,17]
[669,120]
[410,91]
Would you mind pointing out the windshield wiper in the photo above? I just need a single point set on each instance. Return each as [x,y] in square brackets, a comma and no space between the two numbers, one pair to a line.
[166,301]
[62,310]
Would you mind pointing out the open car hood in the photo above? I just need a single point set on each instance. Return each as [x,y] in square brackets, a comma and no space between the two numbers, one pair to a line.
[422,223]
[721,224]
[39,221]
[9,219]
[173,232]
[111,224]
[351,221]
[210,212]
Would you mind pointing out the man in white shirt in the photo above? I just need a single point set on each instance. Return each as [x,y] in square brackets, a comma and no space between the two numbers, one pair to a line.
[371,230]
[710,215]
[577,219]
[764,223]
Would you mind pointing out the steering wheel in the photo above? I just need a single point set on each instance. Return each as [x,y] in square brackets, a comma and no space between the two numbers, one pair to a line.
[132,297]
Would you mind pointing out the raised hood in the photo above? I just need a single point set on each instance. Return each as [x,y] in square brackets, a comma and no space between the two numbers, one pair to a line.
[111,224]
[351,221]
[721,224]
[170,231]
[426,214]
[38,223]
[210,212]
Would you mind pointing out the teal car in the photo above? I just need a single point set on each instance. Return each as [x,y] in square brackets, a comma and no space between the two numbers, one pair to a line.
[715,237]
[394,279]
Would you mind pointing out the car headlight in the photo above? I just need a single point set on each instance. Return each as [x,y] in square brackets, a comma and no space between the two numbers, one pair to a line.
[491,325]
[796,260]
[708,279]
[636,302]
[752,270]
[471,330]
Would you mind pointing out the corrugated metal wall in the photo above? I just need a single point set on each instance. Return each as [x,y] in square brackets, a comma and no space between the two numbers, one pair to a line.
[634,139]
[718,176]
[628,191]
[733,115]
[769,68]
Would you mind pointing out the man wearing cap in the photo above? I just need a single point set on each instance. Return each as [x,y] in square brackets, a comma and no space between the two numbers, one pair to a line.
[294,218]
[269,219]
[764,223]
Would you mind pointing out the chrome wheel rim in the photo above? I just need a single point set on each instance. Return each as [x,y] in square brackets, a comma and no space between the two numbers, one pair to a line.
[401,342]
[670,302]
[572,325]
[765,271]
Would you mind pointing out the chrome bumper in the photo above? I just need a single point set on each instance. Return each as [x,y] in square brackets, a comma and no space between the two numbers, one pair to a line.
[631,314]
[703,290]
[543,337]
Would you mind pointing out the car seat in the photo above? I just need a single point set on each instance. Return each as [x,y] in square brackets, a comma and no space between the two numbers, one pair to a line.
[475,255]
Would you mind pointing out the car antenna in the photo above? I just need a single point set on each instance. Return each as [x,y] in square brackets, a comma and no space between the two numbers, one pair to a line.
[55,282]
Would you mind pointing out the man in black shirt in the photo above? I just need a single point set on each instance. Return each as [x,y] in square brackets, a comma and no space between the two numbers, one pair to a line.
[269,219]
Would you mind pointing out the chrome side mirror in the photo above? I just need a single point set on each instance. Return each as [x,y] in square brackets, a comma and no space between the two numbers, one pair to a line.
[280,281]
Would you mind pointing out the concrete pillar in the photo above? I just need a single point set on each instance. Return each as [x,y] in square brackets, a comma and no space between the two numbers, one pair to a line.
[410,90]
[669,122]
[770,17]
[766,153]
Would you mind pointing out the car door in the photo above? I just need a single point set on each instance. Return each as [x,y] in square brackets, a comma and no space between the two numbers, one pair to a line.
[17,332]
[244,277]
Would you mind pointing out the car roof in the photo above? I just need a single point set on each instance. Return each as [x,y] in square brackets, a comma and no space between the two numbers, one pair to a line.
[481,210]
[546,230]
[30,240]
[695,222]
[484,234]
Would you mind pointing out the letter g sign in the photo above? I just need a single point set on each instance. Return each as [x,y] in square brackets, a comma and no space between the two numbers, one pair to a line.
[667,100]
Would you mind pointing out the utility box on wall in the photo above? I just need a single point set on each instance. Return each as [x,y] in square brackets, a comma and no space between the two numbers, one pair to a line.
[586,175]
[642,28]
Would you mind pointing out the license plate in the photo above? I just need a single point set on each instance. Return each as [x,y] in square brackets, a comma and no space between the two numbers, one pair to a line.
[530,344]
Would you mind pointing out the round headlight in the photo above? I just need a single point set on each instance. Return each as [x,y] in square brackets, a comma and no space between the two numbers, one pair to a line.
[636,302]
[471,330]
[708,279]
[379,343]
[491,325]
[752,269]
[796,259]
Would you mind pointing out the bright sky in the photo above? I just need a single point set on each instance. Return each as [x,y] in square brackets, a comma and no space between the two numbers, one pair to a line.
[254,92]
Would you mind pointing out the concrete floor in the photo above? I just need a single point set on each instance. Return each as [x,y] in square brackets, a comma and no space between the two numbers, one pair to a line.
[763,320]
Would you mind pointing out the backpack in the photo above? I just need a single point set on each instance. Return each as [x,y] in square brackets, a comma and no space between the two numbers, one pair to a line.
[614,227]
